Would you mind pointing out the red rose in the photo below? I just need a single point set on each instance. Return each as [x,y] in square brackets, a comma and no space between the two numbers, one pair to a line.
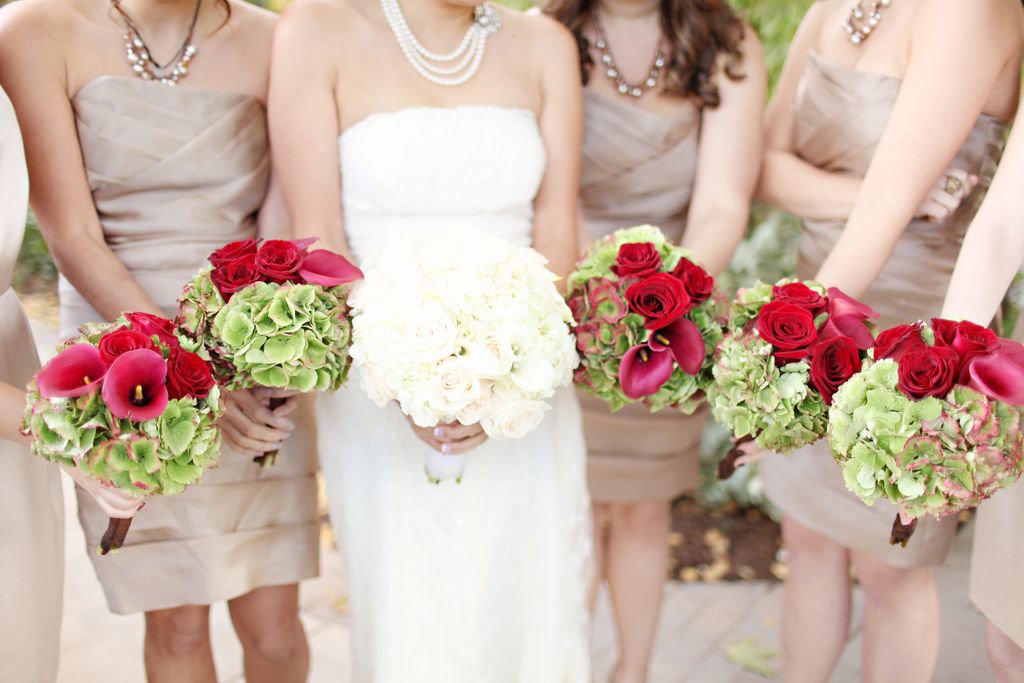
[832,363]
[120,341]
[154,326]
[188,375]
[966,338]
[896,341]
[279,261]
[234,276]
[799,294]
[245,249]
[660,298]
[637,260]
[928,371]
[697,282]
[786,326]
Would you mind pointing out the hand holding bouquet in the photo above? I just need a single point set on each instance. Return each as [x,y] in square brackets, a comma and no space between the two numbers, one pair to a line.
[129,407]
[933,423]
[647,322]
[790,346]
[271,315]
[461,327]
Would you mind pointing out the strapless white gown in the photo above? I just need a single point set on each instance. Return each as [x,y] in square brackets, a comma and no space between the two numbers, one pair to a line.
[483,581]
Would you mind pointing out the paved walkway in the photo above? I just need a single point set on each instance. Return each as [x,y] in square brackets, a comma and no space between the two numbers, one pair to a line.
[701,624]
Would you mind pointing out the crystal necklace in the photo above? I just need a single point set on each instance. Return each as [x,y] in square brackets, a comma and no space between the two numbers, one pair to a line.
[863,20]
[141,59]
[612,71]
[455,67]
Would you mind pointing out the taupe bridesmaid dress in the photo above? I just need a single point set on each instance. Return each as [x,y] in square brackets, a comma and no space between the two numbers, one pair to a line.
[998,557]
[176,173]
[31,507]
[839,116]
[638,167]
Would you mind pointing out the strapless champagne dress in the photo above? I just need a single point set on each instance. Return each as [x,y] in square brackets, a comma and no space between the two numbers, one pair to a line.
[31,507]
[839,116]
[176,173]
[638,167]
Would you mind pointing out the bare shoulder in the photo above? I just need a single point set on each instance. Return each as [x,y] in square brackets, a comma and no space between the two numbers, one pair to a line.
[994,17]
[541,31]
[25,21]
[253,19]
[322,22]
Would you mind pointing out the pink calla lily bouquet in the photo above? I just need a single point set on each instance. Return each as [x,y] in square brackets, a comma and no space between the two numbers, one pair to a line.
[125,403]
[933,423]
[271,314]
[647,322]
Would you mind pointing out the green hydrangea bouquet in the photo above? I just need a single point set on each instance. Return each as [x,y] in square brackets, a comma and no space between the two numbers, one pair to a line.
[271,315]
[647,322]
[125,403]
[933,423]
[789,347]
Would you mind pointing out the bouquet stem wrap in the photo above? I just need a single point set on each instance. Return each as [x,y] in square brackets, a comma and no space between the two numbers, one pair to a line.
[117,531]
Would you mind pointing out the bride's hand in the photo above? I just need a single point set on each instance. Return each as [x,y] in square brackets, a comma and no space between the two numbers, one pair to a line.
[249,425]
[450,439]
[946,196]
[114,503]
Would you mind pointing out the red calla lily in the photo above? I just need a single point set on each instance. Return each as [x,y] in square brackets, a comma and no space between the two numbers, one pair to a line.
[328,269]
[683,338]
[643,371]
[998,376]
[75,371]
[847,326]
[304,243]
[840,305]
[134,387]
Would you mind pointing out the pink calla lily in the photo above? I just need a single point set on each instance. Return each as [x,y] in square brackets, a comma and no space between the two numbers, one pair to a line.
[683,338]
[304,243]
[851,326]
[328,269]
[643,371]
[998,377]
[75,371]
[134,386]
[840,305]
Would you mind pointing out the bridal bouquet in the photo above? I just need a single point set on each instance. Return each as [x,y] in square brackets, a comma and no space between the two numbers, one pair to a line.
[790,346]
[461,326]
[933,424]
[271,315]
[125,403]
[647,322]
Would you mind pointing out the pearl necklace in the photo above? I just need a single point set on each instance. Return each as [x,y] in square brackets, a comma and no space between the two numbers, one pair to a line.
[455,67]
[862,22]
[141,59]
[612,70]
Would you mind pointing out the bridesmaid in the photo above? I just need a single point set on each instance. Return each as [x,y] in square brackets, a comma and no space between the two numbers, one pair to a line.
[673,99]
[992,255]
[858,148]
[134,182]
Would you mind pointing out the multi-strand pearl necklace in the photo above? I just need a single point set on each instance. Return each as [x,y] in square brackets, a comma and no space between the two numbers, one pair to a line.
[863,21]
[455,67]
[141,59]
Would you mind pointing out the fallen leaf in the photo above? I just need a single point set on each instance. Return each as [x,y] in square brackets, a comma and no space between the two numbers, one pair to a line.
[753,656]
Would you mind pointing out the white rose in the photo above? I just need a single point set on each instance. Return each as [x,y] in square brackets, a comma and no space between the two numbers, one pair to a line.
[490,358]
[513,419]
[431,333]
[473,412]
[455,386]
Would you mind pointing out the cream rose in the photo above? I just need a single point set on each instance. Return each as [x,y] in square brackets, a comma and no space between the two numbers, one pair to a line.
[513,419]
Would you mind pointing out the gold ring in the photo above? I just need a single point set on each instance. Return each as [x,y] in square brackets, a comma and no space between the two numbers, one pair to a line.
[953,184]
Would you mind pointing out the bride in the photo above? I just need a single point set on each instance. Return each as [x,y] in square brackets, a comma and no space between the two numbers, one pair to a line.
[443,111]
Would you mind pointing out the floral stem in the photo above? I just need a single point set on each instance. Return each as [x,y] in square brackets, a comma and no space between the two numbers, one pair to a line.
[114,537]
[901,532]
[270,457]
[727,467]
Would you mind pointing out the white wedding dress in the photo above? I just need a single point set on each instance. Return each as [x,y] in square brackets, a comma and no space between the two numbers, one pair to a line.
[483,581]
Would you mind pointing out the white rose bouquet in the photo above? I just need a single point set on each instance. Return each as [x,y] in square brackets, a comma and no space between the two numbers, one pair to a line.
[461,326]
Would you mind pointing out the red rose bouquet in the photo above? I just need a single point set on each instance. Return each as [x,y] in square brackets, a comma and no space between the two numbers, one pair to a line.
[647,322]
[131,408]
[790,346]
[933,422]
[273,314]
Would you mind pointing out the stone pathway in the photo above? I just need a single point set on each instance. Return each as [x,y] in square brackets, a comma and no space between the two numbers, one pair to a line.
[700,623]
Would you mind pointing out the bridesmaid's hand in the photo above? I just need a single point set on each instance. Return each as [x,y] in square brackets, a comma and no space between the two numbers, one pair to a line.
[751,453]
[945,197]
[115,503]
[450,439]
[251,427]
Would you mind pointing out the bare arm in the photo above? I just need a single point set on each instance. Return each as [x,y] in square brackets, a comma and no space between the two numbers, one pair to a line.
[304,124]
[729,163]
[957,52]
[561,121]
[12,409]
[36,81]
[993,249]
[787,181]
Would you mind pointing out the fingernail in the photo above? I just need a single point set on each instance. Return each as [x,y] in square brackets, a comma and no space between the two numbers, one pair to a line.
[438,431]
[446,448]
[141,505]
